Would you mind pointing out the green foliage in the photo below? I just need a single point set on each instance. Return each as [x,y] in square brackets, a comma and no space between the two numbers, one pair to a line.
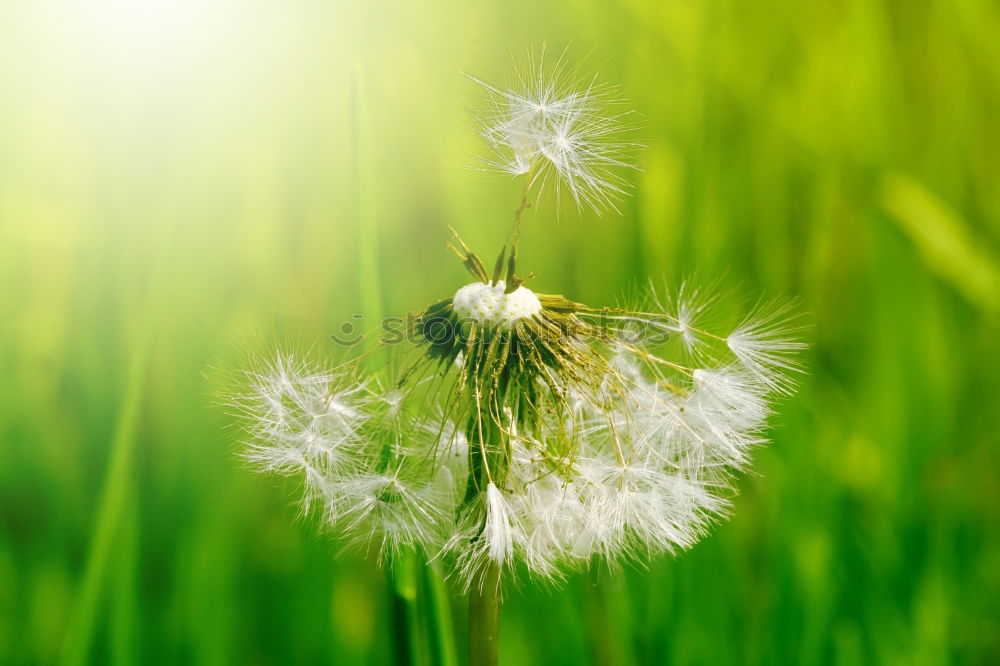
[177,183]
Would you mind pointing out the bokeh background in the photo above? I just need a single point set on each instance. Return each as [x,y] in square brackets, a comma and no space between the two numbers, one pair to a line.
[181,179]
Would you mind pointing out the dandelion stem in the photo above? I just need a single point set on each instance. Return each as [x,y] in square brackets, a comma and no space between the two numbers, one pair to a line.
[515,229]
[484,618]
[514,237]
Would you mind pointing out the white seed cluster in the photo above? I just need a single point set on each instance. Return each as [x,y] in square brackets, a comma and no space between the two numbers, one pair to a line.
[654,442]
[489,306]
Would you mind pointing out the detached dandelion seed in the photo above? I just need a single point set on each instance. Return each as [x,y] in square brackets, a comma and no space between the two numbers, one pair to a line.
[541,124]
[524,431]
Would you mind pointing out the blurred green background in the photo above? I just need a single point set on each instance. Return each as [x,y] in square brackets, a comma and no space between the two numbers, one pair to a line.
[178,179]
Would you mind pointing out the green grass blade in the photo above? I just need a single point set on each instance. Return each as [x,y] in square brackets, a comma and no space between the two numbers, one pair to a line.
[112,508]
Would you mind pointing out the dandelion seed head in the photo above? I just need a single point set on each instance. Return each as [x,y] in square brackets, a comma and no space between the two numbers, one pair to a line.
[537,431]
[488,305]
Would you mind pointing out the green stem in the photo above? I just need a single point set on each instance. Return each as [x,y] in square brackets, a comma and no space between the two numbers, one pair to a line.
[405,617]
[124,610]
[484,618]
[600,623]
[514,238]
[440,613]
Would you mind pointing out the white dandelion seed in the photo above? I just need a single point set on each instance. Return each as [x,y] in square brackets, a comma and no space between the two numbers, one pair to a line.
[388,509]
[766,345]
[301,416]
[499,530]
[541,124]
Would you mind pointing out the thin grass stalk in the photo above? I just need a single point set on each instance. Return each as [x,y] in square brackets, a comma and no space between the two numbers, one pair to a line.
[403,602]
[364,201]
[441,623]
[607,618]
[124,609]
[114,496]
[597,619]
[117,522]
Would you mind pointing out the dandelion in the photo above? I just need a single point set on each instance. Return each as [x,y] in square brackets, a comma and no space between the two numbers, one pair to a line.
[523,431]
